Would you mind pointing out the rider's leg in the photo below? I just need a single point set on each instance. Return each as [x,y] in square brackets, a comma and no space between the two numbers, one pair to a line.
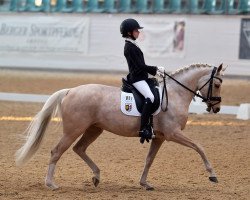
[146,130]
[144,89]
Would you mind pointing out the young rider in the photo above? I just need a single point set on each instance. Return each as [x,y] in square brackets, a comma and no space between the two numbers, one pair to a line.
[138,72]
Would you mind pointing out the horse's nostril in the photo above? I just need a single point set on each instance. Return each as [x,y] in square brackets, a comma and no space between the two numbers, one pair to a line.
[217,110]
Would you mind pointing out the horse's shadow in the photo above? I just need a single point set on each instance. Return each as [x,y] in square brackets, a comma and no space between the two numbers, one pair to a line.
[115,187]
[105,187]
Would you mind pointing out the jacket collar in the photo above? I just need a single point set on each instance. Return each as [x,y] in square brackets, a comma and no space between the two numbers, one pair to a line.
[132,41]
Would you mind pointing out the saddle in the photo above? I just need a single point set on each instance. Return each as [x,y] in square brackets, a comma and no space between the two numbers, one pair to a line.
[132,100]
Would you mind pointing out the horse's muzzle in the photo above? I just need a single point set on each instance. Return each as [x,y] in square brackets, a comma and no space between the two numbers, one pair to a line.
[215,110]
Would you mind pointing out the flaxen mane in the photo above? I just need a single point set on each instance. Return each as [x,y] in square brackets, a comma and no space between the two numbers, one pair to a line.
[192,66]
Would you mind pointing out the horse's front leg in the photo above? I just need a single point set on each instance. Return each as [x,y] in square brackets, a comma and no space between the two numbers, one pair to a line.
[181,139]
[154,147]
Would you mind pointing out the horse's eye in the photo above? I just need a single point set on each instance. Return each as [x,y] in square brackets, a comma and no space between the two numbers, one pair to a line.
[217,85]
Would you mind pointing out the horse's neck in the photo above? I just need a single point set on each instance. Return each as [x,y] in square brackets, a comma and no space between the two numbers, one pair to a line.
[189,78]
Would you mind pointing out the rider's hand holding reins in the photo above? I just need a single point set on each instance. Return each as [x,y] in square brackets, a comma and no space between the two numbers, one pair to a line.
[160,71]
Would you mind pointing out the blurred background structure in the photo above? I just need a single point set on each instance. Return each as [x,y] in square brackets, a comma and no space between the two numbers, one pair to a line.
[84,34]
[129,6]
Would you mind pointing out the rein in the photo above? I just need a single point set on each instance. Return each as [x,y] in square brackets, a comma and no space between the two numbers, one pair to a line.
[164,90]
[207,99]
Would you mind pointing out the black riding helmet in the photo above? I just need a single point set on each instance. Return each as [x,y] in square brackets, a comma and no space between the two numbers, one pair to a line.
[128,26]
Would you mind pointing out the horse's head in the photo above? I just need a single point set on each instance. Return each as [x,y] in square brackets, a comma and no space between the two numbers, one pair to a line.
[210,87]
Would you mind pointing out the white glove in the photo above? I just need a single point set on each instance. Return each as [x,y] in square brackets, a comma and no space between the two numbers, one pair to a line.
[160,71]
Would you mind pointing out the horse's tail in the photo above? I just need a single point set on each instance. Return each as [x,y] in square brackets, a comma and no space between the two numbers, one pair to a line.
[38,125]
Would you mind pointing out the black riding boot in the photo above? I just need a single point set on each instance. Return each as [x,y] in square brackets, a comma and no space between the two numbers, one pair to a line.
[146,130]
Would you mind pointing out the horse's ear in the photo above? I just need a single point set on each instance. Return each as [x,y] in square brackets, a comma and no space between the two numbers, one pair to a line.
[219,68]
[224,68]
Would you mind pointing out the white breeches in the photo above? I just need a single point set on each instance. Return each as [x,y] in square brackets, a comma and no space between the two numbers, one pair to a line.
[144,89]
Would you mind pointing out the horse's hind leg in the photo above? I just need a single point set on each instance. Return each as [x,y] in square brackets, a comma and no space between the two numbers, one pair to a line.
[56,153]
[81,146]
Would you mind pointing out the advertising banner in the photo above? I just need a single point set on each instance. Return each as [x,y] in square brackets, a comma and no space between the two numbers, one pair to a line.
[55,34]
[245,39]
[163,38]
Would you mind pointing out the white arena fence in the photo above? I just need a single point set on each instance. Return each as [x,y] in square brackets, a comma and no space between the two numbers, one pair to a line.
[196,106]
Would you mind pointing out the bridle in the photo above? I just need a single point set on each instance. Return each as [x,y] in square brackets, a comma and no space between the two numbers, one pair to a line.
[209,99]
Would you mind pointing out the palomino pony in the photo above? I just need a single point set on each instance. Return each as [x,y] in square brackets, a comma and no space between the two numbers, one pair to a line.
[87,110]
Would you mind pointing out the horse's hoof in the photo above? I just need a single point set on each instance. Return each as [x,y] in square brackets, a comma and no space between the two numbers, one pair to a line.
[150,188]
[213,179]
[147,186]
[52,186]
[96,181]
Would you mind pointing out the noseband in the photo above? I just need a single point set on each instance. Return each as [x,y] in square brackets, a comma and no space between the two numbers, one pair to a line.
[210,96]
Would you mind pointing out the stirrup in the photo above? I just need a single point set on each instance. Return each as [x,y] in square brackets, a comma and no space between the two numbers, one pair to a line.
[146,134]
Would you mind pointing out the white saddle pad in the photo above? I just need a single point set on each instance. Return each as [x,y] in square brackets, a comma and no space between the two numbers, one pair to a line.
[128,105]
